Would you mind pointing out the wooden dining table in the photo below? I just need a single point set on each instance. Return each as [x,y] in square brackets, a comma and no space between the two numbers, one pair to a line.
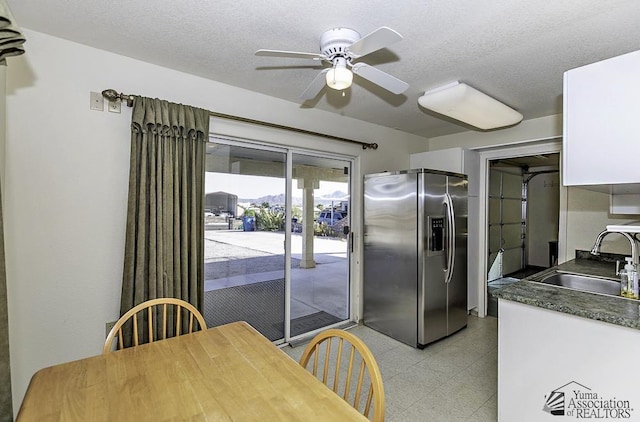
[226,373]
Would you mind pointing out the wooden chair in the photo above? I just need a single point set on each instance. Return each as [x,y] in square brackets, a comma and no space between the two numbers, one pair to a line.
[340,378]
[172,322]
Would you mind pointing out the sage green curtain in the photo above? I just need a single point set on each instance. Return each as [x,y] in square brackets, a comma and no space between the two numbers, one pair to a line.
[164,250]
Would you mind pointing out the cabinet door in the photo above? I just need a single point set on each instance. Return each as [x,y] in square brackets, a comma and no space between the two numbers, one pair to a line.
[601,111]
[443,159]
[456,160]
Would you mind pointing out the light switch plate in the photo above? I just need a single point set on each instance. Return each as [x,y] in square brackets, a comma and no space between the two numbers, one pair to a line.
[114,106]
[96,101]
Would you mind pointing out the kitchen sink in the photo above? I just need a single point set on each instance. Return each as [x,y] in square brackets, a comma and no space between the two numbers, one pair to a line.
[583,282]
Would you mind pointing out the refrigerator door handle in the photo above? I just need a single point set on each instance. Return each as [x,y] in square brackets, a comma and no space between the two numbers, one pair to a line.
[450,228]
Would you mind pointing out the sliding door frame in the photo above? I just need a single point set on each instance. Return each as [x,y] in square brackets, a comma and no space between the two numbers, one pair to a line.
[289,152]
[287,247]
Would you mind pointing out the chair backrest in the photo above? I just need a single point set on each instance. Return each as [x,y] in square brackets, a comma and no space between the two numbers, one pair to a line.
[354,369]
[166,317]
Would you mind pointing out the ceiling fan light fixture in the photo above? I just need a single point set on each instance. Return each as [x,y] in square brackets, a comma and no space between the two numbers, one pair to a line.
[339,77]
[466,104]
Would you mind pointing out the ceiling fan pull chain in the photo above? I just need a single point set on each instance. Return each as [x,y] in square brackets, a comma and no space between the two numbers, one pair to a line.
[335,64]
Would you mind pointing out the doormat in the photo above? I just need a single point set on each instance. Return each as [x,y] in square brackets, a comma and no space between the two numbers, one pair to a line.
[312,322]
[260,304]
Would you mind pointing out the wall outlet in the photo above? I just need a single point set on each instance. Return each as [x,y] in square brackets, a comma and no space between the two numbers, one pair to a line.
[114,106]
[96,101]
[108,327]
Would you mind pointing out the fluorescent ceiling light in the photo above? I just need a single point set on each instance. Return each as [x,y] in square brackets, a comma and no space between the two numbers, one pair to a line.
[462,102]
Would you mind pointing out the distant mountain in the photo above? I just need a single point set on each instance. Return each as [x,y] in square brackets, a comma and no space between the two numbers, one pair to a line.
[280,199]
[271,199]
[336,194]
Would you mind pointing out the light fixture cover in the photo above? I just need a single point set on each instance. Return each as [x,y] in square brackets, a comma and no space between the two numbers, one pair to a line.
[466,104]
[339,77]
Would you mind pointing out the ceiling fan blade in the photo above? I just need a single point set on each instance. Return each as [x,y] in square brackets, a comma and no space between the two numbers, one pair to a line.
[290,54]
[380,38]
[315,86]
[380,78]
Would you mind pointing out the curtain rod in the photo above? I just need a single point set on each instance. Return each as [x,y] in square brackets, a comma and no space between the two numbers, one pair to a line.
[113,95]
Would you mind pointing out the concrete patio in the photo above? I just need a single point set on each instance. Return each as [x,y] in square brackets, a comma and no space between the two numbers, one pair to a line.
[237,258]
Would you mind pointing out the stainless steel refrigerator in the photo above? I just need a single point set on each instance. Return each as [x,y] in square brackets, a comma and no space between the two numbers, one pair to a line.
[415,254]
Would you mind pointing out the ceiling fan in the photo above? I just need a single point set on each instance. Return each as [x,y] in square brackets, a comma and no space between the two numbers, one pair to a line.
[339,47]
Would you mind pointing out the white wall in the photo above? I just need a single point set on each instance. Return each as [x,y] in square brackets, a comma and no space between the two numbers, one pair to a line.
[66,185]
[528,131]
[3,123]
[588,215]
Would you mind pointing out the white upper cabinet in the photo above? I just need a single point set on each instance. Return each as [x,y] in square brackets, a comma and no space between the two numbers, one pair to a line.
[456,160]
[601,144]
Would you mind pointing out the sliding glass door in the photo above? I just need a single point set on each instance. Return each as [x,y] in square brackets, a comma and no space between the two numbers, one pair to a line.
[275,257]
[244,241]
[320,243]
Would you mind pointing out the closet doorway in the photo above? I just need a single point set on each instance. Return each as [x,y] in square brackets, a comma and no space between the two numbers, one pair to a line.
[523,219]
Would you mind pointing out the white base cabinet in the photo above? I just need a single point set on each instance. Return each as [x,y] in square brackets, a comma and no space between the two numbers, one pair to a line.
[577,367]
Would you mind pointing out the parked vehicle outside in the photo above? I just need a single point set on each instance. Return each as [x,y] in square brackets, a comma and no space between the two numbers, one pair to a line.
[326,217]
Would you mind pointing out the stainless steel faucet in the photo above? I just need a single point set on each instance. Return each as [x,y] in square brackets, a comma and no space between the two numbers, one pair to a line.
[634,249]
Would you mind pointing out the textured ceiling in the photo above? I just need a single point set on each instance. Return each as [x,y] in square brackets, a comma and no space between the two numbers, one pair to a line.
[514,50]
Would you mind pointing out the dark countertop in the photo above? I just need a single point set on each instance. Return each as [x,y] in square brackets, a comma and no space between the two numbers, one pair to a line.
[611,309]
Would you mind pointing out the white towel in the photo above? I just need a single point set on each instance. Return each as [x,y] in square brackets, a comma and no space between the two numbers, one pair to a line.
[495,272]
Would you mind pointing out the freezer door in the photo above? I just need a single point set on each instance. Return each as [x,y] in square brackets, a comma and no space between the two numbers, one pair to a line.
[432,292]
[457,285]
[390,255]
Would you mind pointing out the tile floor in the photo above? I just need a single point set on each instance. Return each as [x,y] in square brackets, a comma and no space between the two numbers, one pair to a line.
[454,379]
